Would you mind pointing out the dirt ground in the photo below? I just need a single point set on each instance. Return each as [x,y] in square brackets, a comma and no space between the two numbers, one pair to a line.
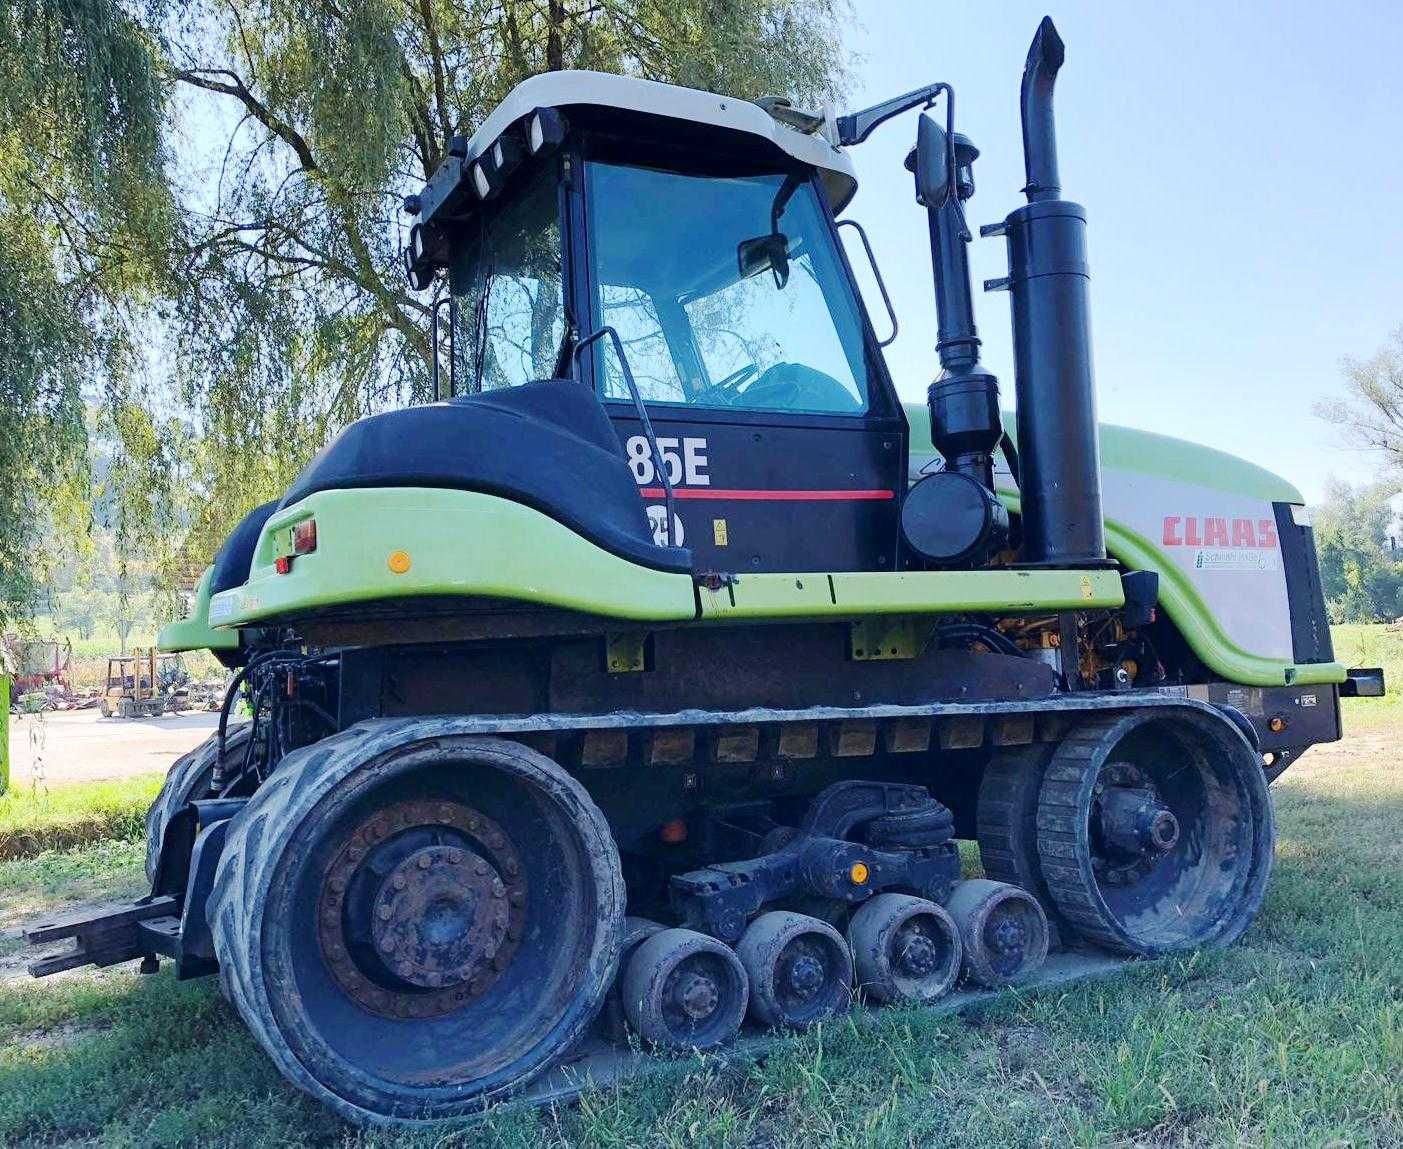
[83,746]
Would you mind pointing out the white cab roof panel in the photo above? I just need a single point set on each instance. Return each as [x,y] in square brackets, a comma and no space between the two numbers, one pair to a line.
[574,88]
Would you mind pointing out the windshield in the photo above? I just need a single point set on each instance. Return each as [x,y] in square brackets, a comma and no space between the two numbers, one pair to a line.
[510,314]
[724,291]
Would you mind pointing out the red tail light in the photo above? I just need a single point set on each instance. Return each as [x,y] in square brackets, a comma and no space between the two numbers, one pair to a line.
[304,537]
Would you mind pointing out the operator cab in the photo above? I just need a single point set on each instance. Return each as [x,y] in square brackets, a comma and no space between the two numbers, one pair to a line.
[700,231]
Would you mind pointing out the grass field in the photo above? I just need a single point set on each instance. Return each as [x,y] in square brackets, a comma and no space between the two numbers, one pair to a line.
[1294,1037]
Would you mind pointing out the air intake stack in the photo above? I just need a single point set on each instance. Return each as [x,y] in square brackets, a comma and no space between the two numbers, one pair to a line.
[1060,480]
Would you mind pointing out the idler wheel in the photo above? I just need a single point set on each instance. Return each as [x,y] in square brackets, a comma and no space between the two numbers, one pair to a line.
[1002,928]
[1155,831]
[684,990]
[904,949]
[800,969]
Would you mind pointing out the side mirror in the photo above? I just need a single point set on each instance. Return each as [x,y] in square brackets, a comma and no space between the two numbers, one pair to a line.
[764,253]
[931,163]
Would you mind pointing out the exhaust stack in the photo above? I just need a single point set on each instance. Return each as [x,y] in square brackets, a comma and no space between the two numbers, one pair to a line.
[1060,478]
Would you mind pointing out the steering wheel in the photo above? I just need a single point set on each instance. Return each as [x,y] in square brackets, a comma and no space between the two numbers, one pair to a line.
[726,390]
[797,387]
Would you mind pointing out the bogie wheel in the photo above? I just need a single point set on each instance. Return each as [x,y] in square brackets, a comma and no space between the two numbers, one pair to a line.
[636,931]
[800,969]
[684,990]
[188,780]
[1007,824]
[904,949]
[1155,831]
[1002,928]
[415,921]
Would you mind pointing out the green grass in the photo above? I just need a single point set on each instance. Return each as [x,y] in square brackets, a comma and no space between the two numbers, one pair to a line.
[1293,1037]
[1372,645]
[33,820]
[55,880]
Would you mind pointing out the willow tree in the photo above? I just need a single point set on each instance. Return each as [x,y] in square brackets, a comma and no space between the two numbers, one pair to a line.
[87,224]
[295,317]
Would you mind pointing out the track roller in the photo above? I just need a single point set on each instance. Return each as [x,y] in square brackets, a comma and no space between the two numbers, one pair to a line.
[800,969]
[1155,831]
[1002,928]
[904,949]
[684,990]
[415,921]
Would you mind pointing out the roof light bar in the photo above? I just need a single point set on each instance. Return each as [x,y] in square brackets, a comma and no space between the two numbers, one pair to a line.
[546,130]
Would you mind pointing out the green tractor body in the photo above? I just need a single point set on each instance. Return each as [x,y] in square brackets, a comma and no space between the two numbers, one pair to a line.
[645,681]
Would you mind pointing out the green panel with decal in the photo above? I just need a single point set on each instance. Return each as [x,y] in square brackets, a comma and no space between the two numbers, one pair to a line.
[447,543]
[1198,624]
[194,632]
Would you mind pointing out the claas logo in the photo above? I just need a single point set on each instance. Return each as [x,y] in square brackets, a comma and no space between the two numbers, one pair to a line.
[1210,531]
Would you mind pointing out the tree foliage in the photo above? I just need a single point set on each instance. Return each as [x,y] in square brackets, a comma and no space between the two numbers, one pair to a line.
[1371,414]
[1361,577]
[86,225]
[298,318]
[219,180]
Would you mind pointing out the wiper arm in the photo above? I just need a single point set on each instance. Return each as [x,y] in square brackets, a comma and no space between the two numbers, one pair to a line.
[565,353]
[480,334]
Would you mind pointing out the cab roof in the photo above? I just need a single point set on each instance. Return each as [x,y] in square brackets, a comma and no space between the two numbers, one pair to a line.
[576,88]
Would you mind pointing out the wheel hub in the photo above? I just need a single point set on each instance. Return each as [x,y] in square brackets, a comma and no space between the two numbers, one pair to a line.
[1134,821]
[1004,934]
[421,909]
[806,975]
[441,914]
[1132,827]
[697,995]
[915,953]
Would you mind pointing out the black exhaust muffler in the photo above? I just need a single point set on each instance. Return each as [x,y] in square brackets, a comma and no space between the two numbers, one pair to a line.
[1060,476]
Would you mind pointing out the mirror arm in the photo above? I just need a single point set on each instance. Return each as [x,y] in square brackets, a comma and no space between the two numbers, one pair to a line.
[857,126]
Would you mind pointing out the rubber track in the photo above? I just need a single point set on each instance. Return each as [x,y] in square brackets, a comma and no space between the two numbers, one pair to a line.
[1062,833]
[187,780]
[250,861]
[1000,823]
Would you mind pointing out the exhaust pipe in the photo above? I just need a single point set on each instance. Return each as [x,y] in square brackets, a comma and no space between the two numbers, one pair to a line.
[1060,475]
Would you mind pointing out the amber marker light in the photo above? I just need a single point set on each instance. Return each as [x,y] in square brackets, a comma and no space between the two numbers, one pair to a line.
[399,562]
[859,873]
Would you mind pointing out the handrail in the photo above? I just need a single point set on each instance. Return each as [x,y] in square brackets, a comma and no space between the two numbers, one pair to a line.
[659,465]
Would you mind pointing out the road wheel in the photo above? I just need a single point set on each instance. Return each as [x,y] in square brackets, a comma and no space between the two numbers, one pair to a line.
[1155,831]
[904,949]
[188,780]
[800,969]
[684,990]
[1002,929]
[415,922]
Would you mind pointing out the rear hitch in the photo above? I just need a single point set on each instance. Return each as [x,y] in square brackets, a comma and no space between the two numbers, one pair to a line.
[115,933]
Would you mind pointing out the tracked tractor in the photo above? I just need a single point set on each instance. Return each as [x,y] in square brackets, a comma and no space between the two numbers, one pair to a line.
[641,687]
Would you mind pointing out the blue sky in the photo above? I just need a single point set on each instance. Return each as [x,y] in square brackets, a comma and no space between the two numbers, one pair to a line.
[1242,169]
